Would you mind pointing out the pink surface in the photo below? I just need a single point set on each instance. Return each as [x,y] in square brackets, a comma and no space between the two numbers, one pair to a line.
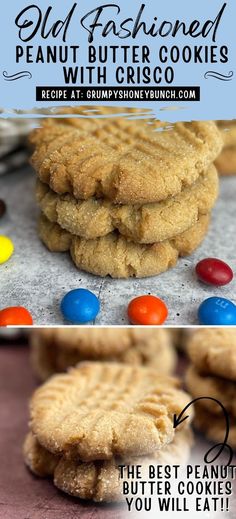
[23,496]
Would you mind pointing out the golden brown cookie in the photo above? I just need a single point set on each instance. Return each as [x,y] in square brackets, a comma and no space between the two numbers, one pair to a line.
[38,459]
[53,350]
[101,410]
[228,132]
[226,162]
[213,425]
[213,387]
[126,160]
[148,223]
[98,480]
[104,484]
[117,257]
[213,351]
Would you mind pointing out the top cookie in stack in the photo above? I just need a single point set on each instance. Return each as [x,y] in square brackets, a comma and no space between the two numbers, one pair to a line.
[226,162]
[125,197]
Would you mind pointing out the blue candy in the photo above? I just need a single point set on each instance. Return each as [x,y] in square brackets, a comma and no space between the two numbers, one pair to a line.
[217,311]
[80,306]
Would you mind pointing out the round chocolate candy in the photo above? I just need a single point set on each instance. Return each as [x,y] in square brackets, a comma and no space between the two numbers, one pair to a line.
[6,249]
[147,310]
[15,316]
[80,306]
[217,311]
[214,271]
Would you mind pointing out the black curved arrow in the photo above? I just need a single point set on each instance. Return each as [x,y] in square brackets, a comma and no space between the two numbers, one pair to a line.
[177,420]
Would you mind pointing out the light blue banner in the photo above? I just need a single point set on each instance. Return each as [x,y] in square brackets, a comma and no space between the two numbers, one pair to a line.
[117,47]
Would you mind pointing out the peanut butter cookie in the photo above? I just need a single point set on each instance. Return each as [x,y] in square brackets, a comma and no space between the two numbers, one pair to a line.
[226,162]
[100,410]
[148,223]
[126,160]
[98,480]
[213,351]
[213,387]
[213,425]
[53,350]
[116,256]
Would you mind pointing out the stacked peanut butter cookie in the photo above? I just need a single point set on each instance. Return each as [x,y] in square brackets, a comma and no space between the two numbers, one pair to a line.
[87,422]
[125,196]
[213,374]
[226,162]
[53,350]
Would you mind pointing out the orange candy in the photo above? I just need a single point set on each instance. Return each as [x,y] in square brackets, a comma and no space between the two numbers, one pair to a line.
[147,310]
[15,316]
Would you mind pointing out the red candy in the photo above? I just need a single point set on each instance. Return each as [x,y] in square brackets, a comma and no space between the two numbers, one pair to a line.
[15,316]
[214,271]
[147,310]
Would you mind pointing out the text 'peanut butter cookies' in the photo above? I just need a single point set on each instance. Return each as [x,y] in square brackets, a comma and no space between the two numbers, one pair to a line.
[101,410]
[214,387]
[54,350]
[148,223]
[213,351]
[117,257]
[98,480]
[125,160]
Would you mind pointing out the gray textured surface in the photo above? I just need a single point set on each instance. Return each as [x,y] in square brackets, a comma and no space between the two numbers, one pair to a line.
[38,279]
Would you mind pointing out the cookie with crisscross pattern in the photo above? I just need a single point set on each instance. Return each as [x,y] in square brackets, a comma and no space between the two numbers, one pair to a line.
[100,410]
[127,160]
